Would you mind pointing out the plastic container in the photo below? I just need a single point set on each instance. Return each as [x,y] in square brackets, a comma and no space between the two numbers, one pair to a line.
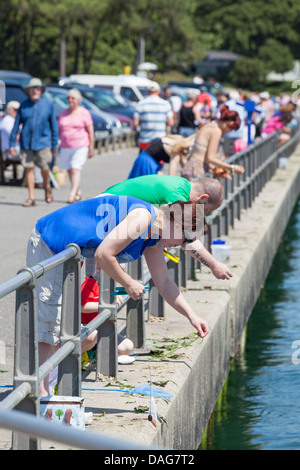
[88,418]
[68,410]
[221,251]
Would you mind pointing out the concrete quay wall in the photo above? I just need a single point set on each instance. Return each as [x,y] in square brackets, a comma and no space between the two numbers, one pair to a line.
[195,379]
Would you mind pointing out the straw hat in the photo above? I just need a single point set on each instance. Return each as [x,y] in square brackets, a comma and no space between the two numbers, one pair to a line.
[35,82]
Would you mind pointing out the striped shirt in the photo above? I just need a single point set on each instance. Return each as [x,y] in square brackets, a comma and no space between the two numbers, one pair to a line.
[153,113]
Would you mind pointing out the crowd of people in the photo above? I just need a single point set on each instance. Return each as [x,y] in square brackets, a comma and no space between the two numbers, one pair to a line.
[148,212]
[199,137]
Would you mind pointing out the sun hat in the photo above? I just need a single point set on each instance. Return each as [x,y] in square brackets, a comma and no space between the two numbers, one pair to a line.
[153,87]
[13,105]
[35,82]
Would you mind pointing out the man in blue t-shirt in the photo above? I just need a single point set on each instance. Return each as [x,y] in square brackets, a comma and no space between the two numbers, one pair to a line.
[112,229]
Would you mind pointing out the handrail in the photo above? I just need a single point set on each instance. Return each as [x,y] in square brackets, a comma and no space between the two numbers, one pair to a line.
[24,277]
[39,428]
[260,161]
[25,388]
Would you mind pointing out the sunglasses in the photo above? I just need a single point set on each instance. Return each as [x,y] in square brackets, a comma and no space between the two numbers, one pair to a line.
[35,88]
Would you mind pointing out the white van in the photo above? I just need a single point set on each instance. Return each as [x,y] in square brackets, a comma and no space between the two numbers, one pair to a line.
[130,86]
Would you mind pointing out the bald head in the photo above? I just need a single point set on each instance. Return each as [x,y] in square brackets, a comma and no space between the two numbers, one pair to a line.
[208,191]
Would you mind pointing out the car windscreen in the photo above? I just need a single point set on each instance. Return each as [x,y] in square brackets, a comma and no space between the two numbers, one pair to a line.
[143,90]
[102,100]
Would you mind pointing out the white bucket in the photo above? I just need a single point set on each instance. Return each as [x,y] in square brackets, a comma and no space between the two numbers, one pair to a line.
[61,409]
[221,252]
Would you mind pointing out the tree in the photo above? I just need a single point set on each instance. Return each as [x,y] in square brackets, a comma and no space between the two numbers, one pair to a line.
[78,23]
[276,56]
[51,38]
[18,21]
[249,73]
[167,27]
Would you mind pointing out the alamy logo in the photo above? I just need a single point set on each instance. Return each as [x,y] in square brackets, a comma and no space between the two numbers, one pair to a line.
[2,352]
[296,354]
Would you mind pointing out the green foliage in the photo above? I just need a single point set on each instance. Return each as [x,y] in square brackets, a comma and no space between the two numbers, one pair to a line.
[277,56]
[249,73]
[50,37]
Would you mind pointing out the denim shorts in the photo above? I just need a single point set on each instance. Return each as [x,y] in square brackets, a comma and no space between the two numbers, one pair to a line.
[48,291]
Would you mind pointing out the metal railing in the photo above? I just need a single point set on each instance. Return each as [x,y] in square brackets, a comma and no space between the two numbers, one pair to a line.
[260,161]
[105,142]
[27,373]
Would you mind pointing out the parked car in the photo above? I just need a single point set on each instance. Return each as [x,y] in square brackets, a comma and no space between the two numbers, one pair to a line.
[132,87]
[205,86]
[108,102]
[105,100]
[19,77]
[13,91]
[102,121]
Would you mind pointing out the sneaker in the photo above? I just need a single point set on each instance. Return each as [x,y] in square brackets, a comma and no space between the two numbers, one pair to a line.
[125,359]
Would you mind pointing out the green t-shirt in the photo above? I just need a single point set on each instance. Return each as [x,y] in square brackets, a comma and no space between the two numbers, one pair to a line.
[156,189]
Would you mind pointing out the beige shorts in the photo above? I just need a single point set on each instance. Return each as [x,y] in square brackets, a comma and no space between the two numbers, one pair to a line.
[41,158]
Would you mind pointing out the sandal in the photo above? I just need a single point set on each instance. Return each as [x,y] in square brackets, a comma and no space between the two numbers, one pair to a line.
[29,202]
[75,198]
[48,195]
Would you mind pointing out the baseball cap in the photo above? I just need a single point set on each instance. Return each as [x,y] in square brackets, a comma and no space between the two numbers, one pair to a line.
[265,95]
[153,87]
[13,105]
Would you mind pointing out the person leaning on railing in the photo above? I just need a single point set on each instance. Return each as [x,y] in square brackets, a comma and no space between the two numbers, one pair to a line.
[113,230]
[203,156]
[165,189]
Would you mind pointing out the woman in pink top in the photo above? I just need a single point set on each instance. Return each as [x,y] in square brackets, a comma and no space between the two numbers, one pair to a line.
[76,132]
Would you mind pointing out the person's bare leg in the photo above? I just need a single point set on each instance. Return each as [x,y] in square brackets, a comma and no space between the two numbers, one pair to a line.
[45,351]
[47,187]
[74,176]
[89,342]
[30,185]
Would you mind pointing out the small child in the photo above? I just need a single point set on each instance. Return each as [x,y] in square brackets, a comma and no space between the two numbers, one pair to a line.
[89,310]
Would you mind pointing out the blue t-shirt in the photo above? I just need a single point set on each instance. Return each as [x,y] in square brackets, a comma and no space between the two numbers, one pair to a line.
[87,223]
